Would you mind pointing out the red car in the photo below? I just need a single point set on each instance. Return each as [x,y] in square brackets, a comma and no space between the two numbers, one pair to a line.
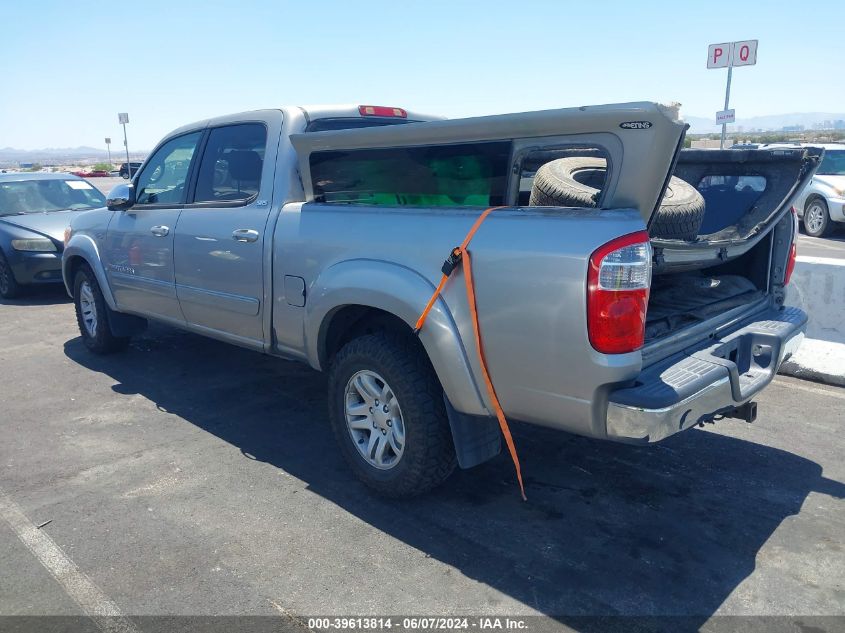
[97,173]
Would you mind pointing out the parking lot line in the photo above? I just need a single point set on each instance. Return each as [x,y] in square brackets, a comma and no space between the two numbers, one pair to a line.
[90,598]
[831,392]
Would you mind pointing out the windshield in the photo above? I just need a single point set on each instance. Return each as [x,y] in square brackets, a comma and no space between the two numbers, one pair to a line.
[833,164]
[41,196]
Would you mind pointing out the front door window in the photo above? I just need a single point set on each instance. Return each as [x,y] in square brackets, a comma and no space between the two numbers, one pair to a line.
[163,178]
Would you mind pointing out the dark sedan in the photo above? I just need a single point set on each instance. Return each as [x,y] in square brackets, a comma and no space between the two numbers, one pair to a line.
[128,170]
[35,210]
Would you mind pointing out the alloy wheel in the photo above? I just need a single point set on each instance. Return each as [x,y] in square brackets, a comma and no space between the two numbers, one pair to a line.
[374,419]
[88,307]
[814,218]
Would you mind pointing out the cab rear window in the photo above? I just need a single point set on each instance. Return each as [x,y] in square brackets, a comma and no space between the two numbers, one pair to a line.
[351,123]
[460,175]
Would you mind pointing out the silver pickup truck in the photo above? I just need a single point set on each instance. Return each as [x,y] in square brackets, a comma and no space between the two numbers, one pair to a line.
[626,289]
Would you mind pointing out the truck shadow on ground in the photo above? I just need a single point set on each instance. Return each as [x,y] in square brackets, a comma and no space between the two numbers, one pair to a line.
[608,529]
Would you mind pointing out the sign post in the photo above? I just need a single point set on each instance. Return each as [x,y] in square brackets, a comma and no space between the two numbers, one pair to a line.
[108,149]
[728,55]
[123,119]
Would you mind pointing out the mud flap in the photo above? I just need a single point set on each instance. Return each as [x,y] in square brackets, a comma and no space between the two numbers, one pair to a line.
[477,438]
[122,324]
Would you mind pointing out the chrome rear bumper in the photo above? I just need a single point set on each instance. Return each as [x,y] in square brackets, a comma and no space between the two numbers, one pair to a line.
[698,386]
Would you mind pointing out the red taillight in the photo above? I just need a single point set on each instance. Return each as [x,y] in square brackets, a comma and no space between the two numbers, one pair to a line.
[382,111]
[617,294]
[790,264]
[793,250]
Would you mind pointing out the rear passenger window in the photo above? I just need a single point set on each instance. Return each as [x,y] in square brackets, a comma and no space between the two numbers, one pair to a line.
[231,164]
[461,175]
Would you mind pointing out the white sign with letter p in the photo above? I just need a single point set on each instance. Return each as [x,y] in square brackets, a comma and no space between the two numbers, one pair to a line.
[719,55]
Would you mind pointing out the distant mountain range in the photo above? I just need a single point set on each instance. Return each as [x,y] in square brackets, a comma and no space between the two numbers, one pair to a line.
[10,155]
[770,122]
[698,125]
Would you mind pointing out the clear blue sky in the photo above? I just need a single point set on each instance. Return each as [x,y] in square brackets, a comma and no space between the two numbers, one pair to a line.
[68,68]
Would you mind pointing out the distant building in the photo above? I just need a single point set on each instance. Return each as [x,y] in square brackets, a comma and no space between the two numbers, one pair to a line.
[705,143]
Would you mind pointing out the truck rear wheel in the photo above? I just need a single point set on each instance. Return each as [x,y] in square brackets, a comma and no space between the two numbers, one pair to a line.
[388,416]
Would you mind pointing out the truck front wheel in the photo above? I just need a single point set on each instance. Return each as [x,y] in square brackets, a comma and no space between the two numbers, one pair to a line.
[91,315]
[388,416]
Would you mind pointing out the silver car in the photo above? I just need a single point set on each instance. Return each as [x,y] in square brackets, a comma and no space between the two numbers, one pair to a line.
[821,205]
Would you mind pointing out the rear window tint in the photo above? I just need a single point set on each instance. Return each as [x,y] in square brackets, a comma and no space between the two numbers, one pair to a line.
[730,197]
[736,183]
[461,175]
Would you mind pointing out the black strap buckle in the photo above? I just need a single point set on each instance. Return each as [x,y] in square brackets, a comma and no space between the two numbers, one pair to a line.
[452,261]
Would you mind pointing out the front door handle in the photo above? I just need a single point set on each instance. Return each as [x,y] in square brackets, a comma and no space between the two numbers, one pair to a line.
[245,235]
[160,231]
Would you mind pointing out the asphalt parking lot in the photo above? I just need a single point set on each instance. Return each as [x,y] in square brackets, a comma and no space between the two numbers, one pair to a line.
[190,477]
[105,184]
[832,246]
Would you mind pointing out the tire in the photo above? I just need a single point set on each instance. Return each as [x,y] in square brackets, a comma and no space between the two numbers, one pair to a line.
[571,182]
[816,218]
[9,286]
[576,182]
[680,214]
[89,302]
[392,366]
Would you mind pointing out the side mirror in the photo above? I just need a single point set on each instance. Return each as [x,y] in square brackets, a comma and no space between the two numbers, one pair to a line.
[121,197]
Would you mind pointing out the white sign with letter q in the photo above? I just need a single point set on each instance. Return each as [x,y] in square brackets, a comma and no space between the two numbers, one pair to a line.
[744,53]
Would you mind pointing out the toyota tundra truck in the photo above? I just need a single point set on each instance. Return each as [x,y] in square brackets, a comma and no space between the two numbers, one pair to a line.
[623,288]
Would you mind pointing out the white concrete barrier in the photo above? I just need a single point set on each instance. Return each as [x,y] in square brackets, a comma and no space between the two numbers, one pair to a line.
[818,288]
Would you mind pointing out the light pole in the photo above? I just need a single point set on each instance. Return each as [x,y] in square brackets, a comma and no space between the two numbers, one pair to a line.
[108,149]
[727,102]
[123,119]
[728,55]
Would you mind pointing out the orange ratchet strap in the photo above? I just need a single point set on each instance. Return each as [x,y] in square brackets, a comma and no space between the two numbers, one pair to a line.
[461,254]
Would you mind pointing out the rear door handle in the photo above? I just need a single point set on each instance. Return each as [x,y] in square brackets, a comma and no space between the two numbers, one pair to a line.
[160,231]
[245,235]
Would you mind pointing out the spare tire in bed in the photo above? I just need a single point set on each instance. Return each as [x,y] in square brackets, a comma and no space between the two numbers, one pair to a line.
[576,182]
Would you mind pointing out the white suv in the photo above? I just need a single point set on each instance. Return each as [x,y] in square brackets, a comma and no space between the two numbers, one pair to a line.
[821,204]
